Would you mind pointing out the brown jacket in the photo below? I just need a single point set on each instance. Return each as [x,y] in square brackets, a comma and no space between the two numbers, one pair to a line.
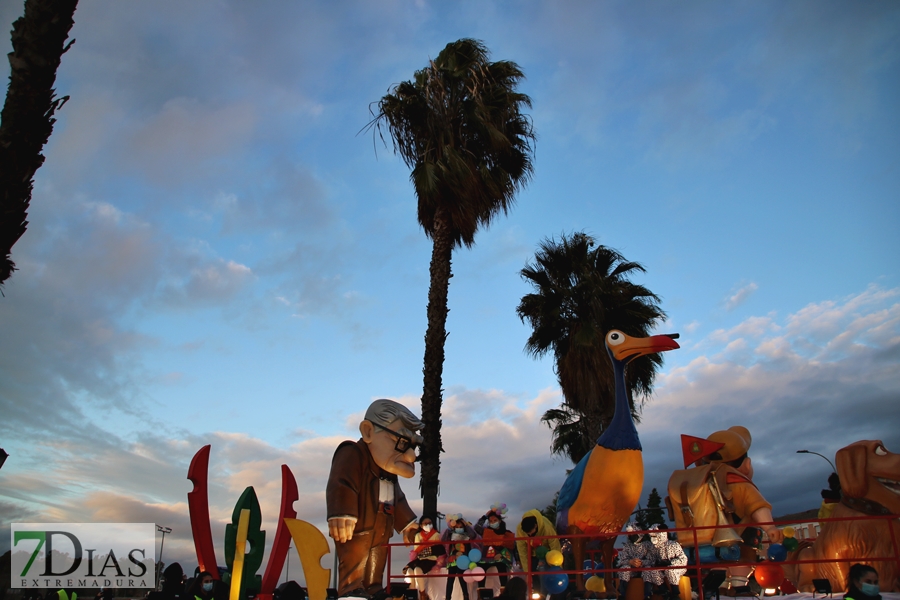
[352,489]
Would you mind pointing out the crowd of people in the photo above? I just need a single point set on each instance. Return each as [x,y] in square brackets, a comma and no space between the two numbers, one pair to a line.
[504,552]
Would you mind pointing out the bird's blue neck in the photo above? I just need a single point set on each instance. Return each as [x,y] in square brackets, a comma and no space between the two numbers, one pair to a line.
[621,433]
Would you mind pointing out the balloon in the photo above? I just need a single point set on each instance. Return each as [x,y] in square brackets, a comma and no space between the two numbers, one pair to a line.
[476,574]
[554,558]
[541,552]
[788,531]
[777,552]
[595,584]
[474,555]
[769,574]
[554,582]
[462,562]
[790,544]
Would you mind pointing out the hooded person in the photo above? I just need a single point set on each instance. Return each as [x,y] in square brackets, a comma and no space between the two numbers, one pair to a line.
[635,553]
[535,524]
[667,553]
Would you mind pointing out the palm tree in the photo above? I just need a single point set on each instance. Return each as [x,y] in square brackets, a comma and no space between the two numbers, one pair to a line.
[38,40]
[459,126]
[582,291]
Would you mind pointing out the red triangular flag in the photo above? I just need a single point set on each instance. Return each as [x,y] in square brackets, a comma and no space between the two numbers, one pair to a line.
[694,448]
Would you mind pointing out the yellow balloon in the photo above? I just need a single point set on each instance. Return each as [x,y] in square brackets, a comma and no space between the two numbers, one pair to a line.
[788,531]
[595,584]
[554,558]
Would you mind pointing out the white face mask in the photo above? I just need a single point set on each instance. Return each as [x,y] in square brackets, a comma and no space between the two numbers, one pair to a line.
[427,527]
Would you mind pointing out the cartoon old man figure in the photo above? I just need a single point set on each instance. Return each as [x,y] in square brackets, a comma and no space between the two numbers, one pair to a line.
[365,503]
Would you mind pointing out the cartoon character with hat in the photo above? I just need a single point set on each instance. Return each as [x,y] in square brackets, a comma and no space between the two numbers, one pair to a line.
[719,490]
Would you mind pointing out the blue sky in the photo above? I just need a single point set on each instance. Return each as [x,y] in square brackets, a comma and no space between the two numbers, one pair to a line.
[218,253]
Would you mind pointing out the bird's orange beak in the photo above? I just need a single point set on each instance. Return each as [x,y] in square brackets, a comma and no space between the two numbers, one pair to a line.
[633,347]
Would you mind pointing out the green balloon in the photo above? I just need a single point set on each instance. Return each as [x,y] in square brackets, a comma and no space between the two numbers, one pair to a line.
[542,551]
[790,544]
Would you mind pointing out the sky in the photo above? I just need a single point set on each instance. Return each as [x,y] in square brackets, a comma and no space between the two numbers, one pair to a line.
[219,252]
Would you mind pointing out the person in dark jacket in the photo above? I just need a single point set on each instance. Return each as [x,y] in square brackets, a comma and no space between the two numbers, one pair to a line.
[863,583]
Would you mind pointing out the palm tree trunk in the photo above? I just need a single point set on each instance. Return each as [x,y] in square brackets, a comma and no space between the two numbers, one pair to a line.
[38,40]
[432,371]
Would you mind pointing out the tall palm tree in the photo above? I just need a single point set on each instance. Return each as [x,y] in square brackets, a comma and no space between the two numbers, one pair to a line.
[582,291]
[459,126]
[26,122]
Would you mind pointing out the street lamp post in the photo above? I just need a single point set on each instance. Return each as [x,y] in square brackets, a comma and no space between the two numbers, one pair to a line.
[164,531]
[287,575]
[817,454]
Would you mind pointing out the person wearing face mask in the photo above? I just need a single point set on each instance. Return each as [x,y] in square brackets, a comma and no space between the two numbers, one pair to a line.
[203,587]
[424,554]
[498,544]
[635,553]
[863,583]
[458,536]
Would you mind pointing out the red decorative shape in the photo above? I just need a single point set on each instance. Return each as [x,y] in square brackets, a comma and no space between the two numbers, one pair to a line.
[198,506]
[694,448]
[769,574]
[289,495]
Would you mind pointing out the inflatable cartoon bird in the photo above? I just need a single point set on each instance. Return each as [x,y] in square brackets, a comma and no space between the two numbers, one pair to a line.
[600,493]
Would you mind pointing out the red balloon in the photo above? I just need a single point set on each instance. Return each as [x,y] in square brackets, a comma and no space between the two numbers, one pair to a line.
[769,574]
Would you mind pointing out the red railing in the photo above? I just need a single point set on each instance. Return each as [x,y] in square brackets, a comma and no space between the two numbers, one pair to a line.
[697,567]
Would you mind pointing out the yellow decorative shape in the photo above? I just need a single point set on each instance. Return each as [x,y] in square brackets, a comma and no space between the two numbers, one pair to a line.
[311,547]
[788,532]
[554,558]
[240,548]
[684,587]
[595,584]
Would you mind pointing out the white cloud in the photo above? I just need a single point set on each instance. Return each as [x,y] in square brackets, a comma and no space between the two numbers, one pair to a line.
[740,296]
[496,448]
[790,388]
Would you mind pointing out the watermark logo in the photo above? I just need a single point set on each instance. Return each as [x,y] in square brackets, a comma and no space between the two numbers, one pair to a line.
[83,555]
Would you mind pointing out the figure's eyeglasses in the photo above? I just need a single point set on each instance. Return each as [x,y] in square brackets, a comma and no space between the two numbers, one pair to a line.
[403,442]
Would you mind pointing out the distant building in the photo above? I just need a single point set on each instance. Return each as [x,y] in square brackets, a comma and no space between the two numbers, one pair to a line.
[806,524]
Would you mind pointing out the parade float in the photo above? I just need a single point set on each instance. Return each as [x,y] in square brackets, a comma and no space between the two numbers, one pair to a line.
[713,502]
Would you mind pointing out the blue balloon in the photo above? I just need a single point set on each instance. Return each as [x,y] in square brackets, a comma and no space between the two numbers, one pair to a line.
[474,555]
[462,562]
[777,552]
[554,582]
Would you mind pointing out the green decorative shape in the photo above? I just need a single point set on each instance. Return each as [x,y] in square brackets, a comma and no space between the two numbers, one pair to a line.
[256,538]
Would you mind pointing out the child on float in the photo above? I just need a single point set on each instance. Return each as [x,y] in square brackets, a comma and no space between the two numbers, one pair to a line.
[459,539]
[424,554]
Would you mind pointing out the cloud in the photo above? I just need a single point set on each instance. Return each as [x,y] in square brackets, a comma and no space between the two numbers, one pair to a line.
[740,296]
[214,282]
[500,454]
[819,395]
[186,136]
[793,387]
